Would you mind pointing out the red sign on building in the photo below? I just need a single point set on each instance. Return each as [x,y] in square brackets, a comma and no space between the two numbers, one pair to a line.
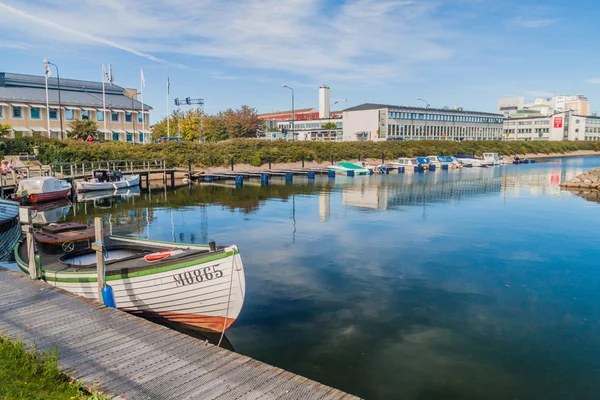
[558,122]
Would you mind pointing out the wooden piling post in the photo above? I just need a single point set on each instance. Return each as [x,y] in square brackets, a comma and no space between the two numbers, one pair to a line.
[383,158]
[232,163]
[27,221]
[302,160]
[98,245]
[269,162]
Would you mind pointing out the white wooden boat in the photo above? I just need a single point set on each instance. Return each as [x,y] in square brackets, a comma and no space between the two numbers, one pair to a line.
[107,194]
[42,188]
[108,180]
[198,285]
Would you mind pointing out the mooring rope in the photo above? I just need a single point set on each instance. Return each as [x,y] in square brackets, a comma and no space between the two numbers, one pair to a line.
[228,299]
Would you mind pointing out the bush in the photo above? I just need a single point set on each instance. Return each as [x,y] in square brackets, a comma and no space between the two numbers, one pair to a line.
[256,161]
[256,152]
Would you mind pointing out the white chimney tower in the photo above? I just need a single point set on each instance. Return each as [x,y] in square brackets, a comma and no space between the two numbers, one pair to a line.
[324,102]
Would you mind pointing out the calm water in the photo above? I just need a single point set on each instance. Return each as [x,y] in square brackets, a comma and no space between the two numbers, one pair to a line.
[480,283]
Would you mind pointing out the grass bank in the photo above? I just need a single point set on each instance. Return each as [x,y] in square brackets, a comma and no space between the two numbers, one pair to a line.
[257,152]
[34,375]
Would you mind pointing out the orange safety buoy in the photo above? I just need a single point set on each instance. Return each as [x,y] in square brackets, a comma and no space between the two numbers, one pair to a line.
[161,255]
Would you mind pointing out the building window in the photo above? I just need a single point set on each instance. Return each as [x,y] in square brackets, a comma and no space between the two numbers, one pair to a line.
[115,116]
[1,112]
[115,136]
[85,114]
[53,113]
[100,115]
[69,114]
[128,117]
[35,112]
[140,117]
[17,112]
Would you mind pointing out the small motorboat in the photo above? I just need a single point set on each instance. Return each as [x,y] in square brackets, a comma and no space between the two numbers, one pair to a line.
[345,167]
[104,179]
[422,162]
[202,286]
[40,189]
[450,161]
[470,160]
[95,196]
[491,158]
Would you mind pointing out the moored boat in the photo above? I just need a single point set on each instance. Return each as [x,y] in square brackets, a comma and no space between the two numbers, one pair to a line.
[345,167]
[198,285]
[108,180]
[10,230]
[491,158]
[470,160]
[450,161]
[423,162]
[41,189]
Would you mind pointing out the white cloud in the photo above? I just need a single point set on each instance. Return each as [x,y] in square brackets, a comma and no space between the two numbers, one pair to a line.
[533,22]
[595,81]
[359,40]
[13,46]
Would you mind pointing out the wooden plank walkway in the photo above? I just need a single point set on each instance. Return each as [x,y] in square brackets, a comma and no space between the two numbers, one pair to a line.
[126,357]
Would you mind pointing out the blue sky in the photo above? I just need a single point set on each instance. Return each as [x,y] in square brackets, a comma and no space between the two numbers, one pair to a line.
[450,52]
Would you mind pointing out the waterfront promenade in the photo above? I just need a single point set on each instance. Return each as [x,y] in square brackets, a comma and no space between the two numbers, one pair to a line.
[126,357]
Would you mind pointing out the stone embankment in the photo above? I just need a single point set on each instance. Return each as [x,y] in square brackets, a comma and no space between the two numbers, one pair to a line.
[588,180]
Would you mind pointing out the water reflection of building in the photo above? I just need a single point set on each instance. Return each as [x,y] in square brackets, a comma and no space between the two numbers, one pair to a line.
[365,196]
[324,205]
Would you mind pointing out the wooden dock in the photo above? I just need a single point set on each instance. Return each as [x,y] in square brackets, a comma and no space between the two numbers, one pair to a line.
[126,357]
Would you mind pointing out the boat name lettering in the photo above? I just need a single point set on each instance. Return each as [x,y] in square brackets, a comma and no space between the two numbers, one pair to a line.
[198,275]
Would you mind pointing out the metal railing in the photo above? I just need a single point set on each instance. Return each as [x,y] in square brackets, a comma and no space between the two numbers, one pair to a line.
[85,168]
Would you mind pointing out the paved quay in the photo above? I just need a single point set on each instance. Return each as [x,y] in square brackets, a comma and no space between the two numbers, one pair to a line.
[126,357]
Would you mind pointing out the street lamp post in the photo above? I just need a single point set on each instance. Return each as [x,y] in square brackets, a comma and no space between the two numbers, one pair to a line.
[60,113]
[426,108]
[293,111]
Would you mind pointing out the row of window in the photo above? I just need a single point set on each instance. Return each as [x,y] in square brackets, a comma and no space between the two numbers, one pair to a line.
[414,130]
[443,117]
[35,113]
[592,121]
[593,130]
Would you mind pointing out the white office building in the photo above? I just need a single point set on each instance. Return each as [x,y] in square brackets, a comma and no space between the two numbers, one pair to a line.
[560,126]
[377,122]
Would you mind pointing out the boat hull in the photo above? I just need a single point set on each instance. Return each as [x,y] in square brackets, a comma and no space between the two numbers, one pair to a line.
[35,198]
[130,181]
[207,293]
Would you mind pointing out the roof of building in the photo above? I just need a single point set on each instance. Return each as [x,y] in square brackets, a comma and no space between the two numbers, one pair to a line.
[299,111]
[372,106]
[32,89]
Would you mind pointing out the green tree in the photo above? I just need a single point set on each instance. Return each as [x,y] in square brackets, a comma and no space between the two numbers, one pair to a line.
[83,129]
[214,128]
[329,125]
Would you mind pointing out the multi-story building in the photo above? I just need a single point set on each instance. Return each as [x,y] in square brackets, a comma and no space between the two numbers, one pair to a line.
[566,125]
[545,105]
[320,124]
[23,106]
[382,122]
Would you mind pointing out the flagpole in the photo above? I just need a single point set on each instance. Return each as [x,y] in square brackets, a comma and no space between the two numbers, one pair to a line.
[46,69]
[104,102]
[168,125]
[142,84]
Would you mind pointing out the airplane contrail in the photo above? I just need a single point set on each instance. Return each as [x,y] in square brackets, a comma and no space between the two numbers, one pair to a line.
[79,34]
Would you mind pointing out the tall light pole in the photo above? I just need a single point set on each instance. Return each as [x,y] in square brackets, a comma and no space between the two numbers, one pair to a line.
[60,113]
[293,112]
[426,108]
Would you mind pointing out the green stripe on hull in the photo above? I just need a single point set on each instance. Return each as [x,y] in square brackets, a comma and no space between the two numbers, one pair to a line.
[47,274]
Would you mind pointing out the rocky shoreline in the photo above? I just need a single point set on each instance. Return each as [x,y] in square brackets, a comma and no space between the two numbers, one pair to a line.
[588,180]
